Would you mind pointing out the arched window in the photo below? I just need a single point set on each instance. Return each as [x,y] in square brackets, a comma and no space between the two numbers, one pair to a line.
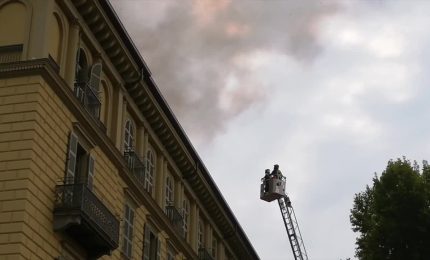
[150,171]
[128,136]
[87,83]
[81,71]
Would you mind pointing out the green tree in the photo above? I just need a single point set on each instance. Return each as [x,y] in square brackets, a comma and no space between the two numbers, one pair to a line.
[393,216]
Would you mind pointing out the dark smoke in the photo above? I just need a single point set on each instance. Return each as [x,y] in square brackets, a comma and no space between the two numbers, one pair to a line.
[190,46]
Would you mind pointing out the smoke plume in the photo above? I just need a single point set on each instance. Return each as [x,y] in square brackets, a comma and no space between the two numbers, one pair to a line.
[192,48]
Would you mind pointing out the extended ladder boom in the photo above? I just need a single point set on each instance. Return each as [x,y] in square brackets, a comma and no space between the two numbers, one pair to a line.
[292,227]
[273,188]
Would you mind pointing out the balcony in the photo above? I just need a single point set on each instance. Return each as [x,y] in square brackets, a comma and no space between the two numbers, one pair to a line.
[175,217]
[204,254]
[82,216]
[88,98]
[10,53]
[135,165]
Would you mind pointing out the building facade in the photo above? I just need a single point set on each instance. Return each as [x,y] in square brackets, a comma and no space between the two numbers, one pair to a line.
[93,163]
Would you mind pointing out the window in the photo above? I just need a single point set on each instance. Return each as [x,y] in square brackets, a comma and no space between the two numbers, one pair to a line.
[128,231]
[104,97]
[186,215]
[170,189]
[151,246]
[90,177]
[200,234]
[228,255]
[150,171]
[80,164]
[170,253]
[214,246]
[81,70]
[128,136]
[87,84]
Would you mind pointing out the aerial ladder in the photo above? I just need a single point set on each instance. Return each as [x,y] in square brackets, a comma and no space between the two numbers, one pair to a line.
[273,188]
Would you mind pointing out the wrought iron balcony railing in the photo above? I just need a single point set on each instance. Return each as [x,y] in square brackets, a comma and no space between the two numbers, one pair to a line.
[135,165]
[10,53]
[88,98]
[175,217]
[204,254]
[79,213]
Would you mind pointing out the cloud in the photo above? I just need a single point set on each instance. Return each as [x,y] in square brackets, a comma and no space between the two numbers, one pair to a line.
[329,90]
[329,124]
[192,48]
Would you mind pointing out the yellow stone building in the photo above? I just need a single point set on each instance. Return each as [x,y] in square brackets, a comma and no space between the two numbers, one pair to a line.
[93,163]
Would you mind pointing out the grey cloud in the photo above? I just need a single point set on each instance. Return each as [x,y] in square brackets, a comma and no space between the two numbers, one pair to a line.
[192,60]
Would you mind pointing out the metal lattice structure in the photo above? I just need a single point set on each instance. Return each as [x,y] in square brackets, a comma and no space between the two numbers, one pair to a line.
[292,227]
[272,188]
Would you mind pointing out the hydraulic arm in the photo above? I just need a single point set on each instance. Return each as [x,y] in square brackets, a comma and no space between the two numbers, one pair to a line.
[273,188]
[292,227]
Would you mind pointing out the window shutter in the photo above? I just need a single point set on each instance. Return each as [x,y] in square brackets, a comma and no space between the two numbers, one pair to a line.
[130,230]
[146,243]
[77,66]
[158,248]
[90,180]
[71,159]
[96,71]
[78,53]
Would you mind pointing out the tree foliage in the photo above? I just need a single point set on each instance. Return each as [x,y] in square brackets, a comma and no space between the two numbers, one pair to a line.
[393,216]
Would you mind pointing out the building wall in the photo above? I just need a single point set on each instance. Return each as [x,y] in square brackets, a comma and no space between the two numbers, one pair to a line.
[17,124]
[35,126]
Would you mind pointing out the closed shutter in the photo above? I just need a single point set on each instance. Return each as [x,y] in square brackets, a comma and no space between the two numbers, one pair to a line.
[90,180]
[146,243]
[130,231]
[158,248]
[71,159]
[77,67]
[96,71]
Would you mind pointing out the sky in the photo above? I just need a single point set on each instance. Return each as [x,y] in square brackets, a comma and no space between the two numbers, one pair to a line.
[328,89]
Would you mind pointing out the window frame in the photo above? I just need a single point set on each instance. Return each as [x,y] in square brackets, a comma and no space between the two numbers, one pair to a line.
[129,135]
[200,234]
[186,211]
[214,246]
[150,170]
[169,190]
[73,175]
[128,231]
[171,253]
[149,252]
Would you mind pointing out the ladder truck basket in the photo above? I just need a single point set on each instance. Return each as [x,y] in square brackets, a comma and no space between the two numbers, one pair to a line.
[272,187]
